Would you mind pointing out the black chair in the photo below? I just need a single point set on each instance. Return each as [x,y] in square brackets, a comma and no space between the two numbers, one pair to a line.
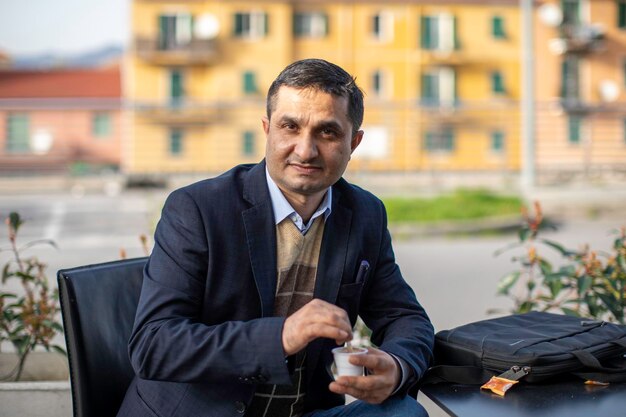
[98,304]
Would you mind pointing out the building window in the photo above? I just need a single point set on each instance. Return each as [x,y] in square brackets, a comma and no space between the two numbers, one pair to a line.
[438,32]
[310,24]
[497,27]
[251,25]
[440,140]
[18,133]
[248,143]
[175,30]
[497,141]
[621,14]
[176,142]
[439,87]
[383,26]
[249,83]
[101,125]
[177,90]
[571,12]
[380,84]
[570,78]
[497,83]
[574,129]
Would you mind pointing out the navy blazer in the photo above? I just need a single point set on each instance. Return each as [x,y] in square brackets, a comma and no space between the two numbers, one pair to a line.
[204,333]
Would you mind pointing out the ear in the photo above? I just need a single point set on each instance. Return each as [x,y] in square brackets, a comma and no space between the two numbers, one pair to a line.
[356,141]
[266,125]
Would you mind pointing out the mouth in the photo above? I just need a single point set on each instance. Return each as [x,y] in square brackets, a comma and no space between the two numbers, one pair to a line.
[305,168]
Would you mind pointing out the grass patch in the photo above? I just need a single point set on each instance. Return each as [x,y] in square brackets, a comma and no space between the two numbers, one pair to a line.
[461,205]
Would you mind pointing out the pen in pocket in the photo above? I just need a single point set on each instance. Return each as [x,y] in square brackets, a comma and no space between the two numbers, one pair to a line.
[362,273]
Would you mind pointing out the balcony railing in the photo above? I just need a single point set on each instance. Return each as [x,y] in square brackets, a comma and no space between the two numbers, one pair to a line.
[179,112]
[578,38]
[195,52]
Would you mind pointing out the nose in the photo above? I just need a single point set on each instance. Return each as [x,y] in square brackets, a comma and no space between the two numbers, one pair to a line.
[306,147]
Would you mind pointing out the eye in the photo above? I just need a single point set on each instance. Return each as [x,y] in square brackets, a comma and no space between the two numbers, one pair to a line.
[329,133]
[290,126]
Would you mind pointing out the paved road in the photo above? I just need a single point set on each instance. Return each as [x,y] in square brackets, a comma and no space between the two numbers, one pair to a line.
[455,278]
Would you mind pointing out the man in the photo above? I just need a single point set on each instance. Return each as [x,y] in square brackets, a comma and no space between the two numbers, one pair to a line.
[257,274]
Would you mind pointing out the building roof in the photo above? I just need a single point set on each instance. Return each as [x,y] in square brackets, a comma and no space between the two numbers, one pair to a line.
[77,83]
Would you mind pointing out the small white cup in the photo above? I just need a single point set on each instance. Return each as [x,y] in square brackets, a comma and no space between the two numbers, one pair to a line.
[343,367]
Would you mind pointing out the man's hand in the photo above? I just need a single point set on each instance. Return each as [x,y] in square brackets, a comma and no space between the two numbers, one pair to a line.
[316,319]
[384,376]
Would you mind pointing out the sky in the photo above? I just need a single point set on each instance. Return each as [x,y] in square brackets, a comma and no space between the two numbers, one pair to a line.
[30,27]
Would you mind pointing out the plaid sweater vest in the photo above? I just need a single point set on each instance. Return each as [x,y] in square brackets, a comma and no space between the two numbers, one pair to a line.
[297,257]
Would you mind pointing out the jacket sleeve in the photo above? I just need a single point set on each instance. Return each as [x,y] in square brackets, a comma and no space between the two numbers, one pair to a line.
[399,323]
[169,340]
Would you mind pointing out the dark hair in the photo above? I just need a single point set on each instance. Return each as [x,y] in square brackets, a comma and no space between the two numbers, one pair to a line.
[323,76]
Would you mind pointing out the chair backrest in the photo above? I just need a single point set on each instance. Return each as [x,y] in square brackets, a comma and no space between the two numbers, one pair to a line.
[98,305]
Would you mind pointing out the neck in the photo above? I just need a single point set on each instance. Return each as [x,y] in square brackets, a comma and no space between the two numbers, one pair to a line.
[305,205]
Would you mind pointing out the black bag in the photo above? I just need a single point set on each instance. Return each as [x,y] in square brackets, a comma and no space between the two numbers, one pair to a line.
[532,347]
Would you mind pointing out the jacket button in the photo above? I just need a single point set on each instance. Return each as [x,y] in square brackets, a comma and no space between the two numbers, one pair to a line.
[240,407]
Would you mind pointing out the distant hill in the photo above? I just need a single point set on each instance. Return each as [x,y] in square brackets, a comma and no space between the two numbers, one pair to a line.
[89,59]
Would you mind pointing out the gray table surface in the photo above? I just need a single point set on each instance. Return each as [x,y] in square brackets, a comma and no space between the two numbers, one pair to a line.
[566,399]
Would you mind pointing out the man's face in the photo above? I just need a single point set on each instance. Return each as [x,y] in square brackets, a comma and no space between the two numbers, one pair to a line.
[309,141]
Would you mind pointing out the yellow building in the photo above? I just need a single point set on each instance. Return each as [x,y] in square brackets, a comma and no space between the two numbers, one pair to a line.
[441,79]
[581,112]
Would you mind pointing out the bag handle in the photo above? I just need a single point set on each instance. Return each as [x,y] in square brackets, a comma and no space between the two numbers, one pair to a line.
[602,373]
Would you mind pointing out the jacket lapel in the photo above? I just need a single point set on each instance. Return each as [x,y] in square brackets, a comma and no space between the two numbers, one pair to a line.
[261,236]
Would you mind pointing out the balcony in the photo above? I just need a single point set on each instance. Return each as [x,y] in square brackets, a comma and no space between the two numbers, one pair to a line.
[578,39]
[195,52]
[182,113]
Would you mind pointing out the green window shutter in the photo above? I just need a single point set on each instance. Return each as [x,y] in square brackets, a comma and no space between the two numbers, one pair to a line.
[376,25]
[448,140]
[455,35]
[425,26]
[248,143]
[238,27]
[497,83]
[249,82]
[298,24]
[564,72]
[497,27]
[18,133]
[176,142]
[574,129]
[428,89]
[266,24]
[326,24]
[163,32]
[497,141]
[621,14]
[177,91]
[101,125]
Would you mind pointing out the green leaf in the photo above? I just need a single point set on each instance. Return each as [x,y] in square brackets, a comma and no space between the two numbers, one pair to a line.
[15,221]
[506,248]
[507,282]
[59,349]
[545,266]
[6,274]
[524,233]
[570,312]
[555,287]
[562,250]
[39,242]
[584,283]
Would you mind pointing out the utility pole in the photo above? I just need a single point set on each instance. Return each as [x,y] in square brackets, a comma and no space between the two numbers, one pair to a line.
[528,97]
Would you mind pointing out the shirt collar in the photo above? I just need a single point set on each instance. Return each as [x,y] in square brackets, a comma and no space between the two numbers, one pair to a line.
[282,209]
